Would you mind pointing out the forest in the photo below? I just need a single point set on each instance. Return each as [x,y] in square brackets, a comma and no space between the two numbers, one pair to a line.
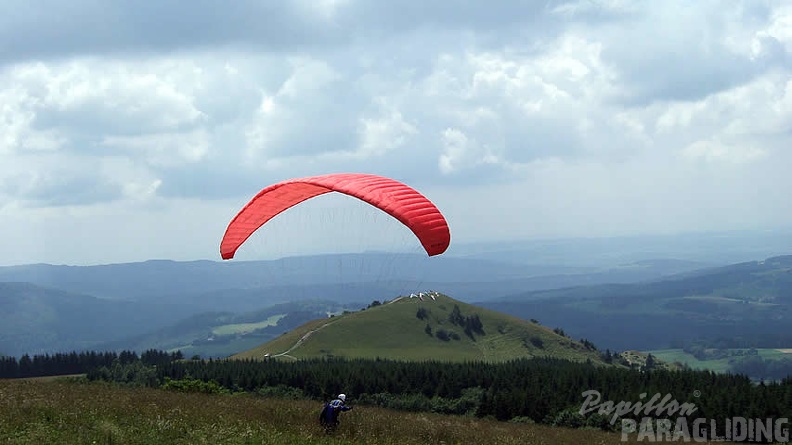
[547,391]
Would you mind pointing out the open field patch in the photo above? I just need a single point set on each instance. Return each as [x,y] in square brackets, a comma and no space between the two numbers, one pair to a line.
[63,412]
[245,328]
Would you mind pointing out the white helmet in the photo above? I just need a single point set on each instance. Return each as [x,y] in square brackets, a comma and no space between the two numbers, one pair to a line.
[342,397]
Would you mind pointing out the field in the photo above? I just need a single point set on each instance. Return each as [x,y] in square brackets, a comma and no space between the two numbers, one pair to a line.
[244,328]
[67,412]
[717,365]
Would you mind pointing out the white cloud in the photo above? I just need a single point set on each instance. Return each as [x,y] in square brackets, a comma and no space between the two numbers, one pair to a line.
[16,119]
[118,97]
[619,115]
[463,153]
[714,151]
[163,149]
[311,112]
[739,124]
[779,30]
[380,135]
[572,9]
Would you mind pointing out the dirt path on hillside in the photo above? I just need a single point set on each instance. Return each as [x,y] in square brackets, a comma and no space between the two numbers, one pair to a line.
[308,334]
[301,340]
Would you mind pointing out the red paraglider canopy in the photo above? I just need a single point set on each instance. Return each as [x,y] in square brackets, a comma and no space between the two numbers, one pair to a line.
[398,200]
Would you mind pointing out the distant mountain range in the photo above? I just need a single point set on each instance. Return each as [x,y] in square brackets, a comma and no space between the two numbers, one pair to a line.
[49,308]
[34,319]
[737,306]
[245,285]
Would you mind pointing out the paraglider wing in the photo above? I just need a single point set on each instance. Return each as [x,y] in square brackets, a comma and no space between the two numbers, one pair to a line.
[398,200]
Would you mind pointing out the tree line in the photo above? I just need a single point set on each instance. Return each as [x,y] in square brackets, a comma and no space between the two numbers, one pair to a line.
[549,391]
[78,362]
[543,390]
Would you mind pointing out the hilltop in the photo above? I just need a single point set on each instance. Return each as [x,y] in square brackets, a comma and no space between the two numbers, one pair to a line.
[431,327]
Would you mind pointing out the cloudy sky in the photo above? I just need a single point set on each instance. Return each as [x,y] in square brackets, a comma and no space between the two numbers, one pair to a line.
[136,130]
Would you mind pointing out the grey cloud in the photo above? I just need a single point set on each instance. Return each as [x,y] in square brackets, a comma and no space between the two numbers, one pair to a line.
[522,138]
[651,75]
[211,180]
[596,12]
[325,120]
[94,123]
[220,182]
[52,29]
[58,188]
[682,51]
[218,178]
[46,29]
[398,16]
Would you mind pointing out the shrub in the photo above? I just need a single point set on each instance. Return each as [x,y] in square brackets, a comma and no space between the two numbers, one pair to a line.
[194,385]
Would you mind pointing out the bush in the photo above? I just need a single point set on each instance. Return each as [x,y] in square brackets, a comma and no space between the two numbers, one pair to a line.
[571,418]
[194,385]
[281,392]
[522,419]
[466,404]
[132,374]
[407,402]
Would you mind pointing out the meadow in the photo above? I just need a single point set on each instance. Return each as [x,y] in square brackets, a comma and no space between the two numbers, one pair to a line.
[720,365]
[246,328]
[70,411]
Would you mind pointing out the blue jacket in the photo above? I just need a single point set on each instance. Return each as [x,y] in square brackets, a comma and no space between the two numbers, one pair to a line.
[330,411]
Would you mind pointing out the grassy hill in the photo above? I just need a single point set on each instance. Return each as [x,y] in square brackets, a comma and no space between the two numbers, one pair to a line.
[436,327]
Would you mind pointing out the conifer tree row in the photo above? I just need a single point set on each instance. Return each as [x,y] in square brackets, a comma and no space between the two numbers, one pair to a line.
[542,390]
[536,389]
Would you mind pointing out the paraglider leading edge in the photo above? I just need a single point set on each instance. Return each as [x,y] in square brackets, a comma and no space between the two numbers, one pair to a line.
[402,202]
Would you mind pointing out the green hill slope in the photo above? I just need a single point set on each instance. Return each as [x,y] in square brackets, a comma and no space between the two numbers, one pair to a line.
[436,327]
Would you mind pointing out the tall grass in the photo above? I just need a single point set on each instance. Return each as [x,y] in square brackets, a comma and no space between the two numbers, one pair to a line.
[67,412]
